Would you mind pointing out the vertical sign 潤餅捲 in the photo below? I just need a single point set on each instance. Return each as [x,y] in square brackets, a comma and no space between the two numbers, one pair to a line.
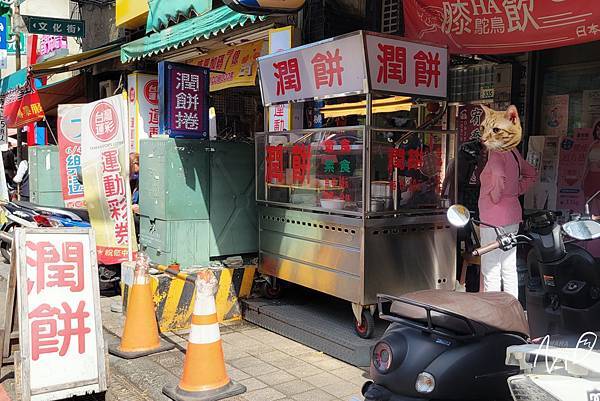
[183,100]
[69,149]
[60,325]
[105,157]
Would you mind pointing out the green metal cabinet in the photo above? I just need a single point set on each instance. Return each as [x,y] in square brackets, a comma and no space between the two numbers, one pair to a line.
[196,200]
[44,176]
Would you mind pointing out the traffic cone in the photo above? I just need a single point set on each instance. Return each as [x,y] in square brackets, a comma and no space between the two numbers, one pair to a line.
[204,375]
[140,335]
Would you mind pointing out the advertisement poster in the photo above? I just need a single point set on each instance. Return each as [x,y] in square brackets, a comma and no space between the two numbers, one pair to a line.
[69,149]
[590,110]
[543,155]
[60,325]
[142,108]
[280,116]
[22,106]
[574,152]
[555,115]
[183,101]
[233,66]
[105,157]
[501,26]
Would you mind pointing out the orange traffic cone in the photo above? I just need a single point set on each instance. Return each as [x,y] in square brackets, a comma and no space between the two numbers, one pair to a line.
[204,375]
[140,335]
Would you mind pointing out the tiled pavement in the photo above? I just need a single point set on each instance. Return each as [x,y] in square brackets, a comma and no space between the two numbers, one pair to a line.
[271,367]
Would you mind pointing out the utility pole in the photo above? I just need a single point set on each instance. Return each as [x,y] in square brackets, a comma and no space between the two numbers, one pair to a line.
[17,13]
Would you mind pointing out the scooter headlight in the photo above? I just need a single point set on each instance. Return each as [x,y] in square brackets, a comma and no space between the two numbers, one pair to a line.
[425,383]
[382,357]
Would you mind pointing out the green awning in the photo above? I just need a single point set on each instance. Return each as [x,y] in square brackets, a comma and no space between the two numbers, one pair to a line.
[163,13]
[202,27]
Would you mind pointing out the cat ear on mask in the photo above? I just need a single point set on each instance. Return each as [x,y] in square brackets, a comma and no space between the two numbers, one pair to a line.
[486,110]
[512,114]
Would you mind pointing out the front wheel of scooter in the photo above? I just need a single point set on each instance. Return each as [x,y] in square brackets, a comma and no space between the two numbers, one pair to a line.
[366,326]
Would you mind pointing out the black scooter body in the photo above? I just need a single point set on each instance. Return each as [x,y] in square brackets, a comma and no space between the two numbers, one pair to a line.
[563,287]
[471,369]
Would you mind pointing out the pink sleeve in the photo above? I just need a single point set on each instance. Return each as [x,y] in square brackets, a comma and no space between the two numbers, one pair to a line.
[497,177]
[528,176]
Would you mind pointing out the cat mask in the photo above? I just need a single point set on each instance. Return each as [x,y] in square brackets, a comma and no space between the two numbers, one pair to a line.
[501,130]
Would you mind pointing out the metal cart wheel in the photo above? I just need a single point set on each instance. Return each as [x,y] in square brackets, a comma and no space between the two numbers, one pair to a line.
[271,289]
[366,326]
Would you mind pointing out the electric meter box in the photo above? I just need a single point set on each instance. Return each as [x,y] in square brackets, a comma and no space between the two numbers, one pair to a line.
[44,176]
[197,200]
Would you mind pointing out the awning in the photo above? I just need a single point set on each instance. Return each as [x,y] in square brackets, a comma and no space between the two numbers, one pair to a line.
[75,62]
[16,80]
[202,27]
[163,13]
[68,91]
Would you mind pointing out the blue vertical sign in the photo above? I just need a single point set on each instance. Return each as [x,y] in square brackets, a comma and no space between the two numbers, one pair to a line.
[3,42]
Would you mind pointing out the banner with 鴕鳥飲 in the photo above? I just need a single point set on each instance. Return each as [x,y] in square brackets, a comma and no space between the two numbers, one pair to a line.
[501,26]
[105,159]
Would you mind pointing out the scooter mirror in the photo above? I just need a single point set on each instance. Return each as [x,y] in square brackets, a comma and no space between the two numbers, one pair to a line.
[582,230]
[458,215]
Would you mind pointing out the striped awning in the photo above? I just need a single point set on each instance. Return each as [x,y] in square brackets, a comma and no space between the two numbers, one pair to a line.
[163,13]
[202,27]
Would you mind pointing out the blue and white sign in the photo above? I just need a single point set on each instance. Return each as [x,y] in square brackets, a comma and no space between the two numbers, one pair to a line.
[3,42]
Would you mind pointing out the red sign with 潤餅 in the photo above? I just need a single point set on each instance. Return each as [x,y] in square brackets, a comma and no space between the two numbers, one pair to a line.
[501,26]
[22,106]
[339,66]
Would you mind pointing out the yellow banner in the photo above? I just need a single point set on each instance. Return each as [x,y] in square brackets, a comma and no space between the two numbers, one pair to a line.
[237,65]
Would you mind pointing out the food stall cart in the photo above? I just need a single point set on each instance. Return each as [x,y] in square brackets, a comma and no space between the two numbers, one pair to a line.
[355,211]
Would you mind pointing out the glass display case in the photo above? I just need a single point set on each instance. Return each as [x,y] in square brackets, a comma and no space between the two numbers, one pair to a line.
[354,220]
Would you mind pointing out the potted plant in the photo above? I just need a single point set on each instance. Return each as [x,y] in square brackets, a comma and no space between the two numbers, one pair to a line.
[174,265]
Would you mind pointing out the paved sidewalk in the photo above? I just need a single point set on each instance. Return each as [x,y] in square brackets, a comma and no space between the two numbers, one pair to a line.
[270,366]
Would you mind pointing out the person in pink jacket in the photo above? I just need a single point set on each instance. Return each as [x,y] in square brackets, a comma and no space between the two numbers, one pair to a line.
[505,177]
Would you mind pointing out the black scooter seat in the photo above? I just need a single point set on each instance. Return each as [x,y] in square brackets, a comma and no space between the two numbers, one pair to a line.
[489,312]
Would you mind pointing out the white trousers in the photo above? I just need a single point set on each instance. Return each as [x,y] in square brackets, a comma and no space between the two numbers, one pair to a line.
[499,268]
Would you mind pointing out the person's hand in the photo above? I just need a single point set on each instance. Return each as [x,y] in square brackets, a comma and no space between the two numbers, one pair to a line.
[596,218]
[135,208]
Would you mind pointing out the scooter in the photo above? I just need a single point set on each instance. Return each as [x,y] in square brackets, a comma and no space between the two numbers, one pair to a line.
[443,345]
[15,215]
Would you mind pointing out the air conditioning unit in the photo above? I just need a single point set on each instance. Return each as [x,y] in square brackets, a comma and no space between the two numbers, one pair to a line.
[107,88]
[390,16]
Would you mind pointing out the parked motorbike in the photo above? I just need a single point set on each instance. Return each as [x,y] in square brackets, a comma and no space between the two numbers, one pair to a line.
[446,345]
[26,214]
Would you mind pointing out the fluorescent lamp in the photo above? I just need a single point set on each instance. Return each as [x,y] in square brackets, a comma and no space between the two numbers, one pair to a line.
[186,54]
[248,37]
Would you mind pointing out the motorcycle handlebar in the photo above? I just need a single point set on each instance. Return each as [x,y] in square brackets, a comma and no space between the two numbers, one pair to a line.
[486,248]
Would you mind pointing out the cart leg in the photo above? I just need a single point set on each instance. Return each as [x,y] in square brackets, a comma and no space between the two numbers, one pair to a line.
[364,322]
[271,288]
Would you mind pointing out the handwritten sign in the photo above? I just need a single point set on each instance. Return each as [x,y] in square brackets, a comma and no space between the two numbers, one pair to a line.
[183,101]
[60,327]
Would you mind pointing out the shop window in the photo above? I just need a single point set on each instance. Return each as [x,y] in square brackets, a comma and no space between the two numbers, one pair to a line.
[576,91]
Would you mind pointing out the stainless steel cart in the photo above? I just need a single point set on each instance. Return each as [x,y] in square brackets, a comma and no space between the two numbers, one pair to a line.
[354,211]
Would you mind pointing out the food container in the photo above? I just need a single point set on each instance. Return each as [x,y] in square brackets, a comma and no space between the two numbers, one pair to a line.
[381,189]
[333,203]
[377,205]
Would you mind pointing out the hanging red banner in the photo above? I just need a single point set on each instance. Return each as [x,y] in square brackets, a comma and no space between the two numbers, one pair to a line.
[22,106]
[501,26]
